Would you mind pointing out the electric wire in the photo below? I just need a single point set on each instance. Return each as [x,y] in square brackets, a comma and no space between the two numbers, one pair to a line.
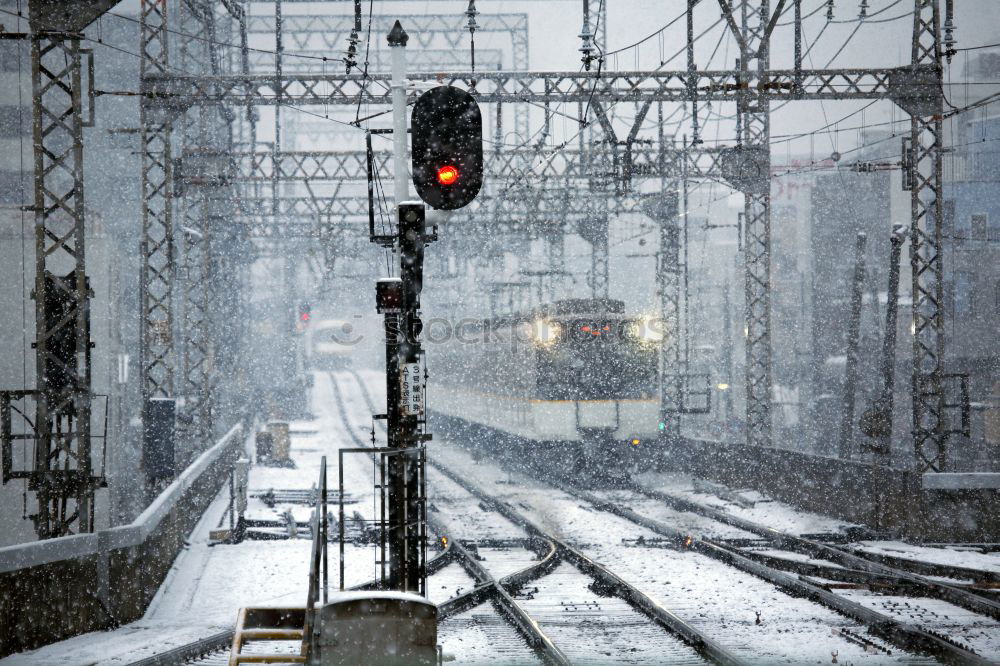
[364,78]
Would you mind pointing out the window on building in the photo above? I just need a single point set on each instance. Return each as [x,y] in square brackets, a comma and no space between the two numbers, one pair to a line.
[979,226]
[960,226]
[948,216]
[962,296]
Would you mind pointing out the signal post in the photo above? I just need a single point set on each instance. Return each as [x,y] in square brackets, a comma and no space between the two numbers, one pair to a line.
[447,166]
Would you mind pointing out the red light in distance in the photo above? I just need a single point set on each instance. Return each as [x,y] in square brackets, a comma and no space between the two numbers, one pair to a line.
[447,175]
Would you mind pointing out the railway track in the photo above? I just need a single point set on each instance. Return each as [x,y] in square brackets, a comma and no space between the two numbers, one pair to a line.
[576,610]
[904,610]
[949,611]
[709,608]
[908,612]
[515,588]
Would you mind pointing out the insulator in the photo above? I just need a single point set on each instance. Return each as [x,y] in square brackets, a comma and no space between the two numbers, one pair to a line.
[472,13]
[829,10]
[863,12]
[586,49]
[352,51]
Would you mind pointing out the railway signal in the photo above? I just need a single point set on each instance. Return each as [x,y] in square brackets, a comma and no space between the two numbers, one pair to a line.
[447,150]
[303,317]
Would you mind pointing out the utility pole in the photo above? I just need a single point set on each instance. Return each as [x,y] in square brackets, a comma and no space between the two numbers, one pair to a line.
[853,341]
[727,352]
[876,422]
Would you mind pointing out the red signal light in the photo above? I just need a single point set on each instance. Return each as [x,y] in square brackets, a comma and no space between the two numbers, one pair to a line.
[447,175]
[304,316]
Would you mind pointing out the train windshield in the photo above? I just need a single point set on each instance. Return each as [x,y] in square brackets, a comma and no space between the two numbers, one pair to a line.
[597,359]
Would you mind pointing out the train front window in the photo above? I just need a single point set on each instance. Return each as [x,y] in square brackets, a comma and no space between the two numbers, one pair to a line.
[597,360]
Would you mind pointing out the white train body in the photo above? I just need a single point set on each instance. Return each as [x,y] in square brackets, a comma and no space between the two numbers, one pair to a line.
[575,370]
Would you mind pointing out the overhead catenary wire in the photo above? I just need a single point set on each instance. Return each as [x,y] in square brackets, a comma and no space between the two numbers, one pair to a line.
[364,80]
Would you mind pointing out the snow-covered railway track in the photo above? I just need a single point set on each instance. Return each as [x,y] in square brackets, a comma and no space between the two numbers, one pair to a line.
[587,613]
[858,624]
[897,569]
[718,603]
[953,614]
[575,610]
[484,624]
[944,639]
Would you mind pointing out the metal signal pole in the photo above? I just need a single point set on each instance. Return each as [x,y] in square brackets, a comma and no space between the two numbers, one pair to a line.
[399,300]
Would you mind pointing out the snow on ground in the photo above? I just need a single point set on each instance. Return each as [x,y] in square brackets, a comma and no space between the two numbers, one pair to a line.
[770,513]
[449,582]
[593,629]
[949,556]
[684,521]
[221,579]
[207,584]
[122,646]
[481,635]
[716,598]
[979,632]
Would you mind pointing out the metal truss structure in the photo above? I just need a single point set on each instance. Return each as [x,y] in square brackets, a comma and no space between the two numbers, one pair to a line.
[305,34]
[62,472]
[751,175]
[157,360]
[752,86]
[440,59]
[644,160]
[929,427]
[440,42]
[665,211]
[63,464]
[179,91]
[206,210]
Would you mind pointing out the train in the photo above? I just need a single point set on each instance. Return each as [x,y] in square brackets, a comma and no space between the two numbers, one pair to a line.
[577,378]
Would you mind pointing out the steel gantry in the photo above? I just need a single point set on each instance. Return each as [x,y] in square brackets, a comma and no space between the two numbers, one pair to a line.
[752,86]
[63,464]
[925,106]
[749,172]
[322,35]
[199,142]
[62,469]
[157,360]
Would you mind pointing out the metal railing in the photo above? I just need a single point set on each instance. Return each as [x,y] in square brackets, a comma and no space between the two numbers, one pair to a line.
[318,561]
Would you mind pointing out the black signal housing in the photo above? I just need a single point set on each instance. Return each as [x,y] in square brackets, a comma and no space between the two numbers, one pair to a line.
[447,147]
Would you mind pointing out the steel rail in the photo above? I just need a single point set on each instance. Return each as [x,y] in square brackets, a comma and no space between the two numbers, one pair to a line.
[487,587]
[904,636]
[624,590]
[964,599]
[187,652]
[515,614]
[926,568]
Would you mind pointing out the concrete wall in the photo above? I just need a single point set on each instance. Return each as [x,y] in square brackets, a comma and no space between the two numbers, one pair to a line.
[115,573]
[844,489]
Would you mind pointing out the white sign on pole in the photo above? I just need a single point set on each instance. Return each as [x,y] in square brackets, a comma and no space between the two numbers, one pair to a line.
[411,390]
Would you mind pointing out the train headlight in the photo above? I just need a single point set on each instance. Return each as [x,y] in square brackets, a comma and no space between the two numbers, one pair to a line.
[545,332]
[648,330]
